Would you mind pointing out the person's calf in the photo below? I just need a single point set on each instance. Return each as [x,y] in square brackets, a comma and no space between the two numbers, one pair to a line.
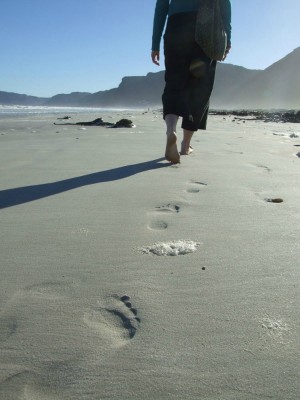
[171,122]
[171,152]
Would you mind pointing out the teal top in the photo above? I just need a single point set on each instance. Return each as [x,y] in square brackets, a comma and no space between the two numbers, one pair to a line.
[166,8]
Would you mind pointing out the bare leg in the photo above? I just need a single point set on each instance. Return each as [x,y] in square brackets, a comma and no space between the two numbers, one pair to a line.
[172,153]
[186,148]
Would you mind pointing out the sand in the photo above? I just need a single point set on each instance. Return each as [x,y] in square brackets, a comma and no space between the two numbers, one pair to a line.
[124,277]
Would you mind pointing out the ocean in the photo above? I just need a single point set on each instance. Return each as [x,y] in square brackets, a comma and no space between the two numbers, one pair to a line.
[36,110]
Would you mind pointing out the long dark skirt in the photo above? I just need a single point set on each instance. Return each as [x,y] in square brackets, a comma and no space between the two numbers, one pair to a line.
[189,73]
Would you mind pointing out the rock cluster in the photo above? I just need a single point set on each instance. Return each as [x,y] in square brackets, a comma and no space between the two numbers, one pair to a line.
[292,116]
[122,123]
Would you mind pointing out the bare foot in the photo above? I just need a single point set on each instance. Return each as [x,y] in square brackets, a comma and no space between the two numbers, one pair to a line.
[185,151]
[172,153]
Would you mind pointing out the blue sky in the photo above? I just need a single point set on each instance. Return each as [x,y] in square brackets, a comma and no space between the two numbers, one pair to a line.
[60,46]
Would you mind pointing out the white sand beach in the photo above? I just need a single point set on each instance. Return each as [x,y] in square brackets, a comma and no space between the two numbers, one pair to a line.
[126,277]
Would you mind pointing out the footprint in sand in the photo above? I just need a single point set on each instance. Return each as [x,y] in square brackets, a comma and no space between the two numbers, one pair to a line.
[264,167]
[158,224]
[195,186]
[117,320]
[275,200]
[168,208]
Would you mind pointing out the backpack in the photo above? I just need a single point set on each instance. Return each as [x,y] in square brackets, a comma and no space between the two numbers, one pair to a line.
[210,34]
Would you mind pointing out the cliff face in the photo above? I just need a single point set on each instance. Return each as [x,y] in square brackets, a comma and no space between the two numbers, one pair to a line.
[133,91]
[278,86]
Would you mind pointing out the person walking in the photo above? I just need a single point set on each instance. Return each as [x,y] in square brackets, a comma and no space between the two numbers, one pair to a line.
[189,72]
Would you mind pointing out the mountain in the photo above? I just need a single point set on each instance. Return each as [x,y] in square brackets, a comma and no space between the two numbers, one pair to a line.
[229,78]
[278,86]
[7,98]
[146,91]
[66,100]
[133,91]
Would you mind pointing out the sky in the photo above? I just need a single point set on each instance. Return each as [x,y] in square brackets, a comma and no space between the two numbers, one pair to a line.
[64,46]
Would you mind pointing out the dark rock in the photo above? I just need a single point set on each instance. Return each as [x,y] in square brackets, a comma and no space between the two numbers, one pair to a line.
[66,117]
[95,122]
[291,116]
[123,123]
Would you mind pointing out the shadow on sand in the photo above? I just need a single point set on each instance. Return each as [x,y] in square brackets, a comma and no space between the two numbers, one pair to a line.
[21,195]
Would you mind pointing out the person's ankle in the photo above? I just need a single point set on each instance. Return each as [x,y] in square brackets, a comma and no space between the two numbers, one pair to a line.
[171,132]
[185,145]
